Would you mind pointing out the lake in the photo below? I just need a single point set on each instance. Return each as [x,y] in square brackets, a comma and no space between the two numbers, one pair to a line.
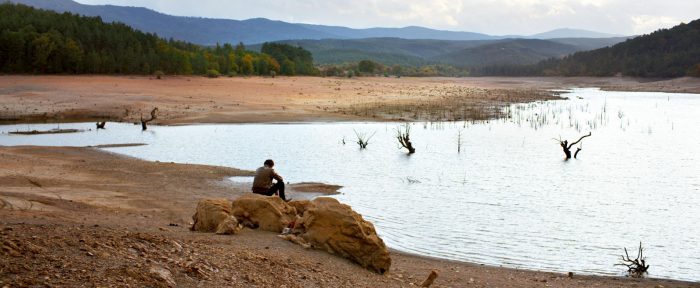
[507,197]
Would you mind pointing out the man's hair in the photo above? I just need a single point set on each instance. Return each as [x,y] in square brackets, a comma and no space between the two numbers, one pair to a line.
[269,163]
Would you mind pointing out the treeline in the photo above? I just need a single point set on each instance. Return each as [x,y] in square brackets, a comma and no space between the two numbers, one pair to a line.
[666,53]
[372,68]
[40,41]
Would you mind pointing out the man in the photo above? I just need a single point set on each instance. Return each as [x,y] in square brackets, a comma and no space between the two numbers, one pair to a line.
[262,183]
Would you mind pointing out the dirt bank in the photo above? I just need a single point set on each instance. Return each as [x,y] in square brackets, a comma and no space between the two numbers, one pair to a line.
[84,217]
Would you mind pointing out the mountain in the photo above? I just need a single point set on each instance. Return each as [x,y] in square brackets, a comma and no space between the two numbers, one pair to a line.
[414,52]
[205,31]
[666,53]
[45,42]
[512,52]
[410,32]
[572,33]
[201,31]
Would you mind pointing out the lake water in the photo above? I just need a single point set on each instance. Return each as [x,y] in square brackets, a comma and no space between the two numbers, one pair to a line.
[506,198]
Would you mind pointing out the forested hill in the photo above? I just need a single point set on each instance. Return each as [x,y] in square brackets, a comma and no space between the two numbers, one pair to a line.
[40,41]
[665,53]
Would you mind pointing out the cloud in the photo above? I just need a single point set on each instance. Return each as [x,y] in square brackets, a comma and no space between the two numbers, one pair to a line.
[647,23]
[486,16]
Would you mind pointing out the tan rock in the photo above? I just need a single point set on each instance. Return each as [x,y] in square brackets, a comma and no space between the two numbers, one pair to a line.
[163,275]
[300,205]
[335,227]
[431,278]
[269,213]
[214,215]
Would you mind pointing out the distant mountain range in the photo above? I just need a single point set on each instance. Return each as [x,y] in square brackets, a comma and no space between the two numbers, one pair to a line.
[207,31]
[414,52]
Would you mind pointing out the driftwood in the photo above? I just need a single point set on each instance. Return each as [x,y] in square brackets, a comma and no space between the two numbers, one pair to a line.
[100,125]
[403,135]
[145,121]
[567,147]
[635,267]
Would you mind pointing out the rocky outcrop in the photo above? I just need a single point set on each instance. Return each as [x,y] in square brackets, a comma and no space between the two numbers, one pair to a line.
[214,215]
[263,212]
[336,228]
[323,223]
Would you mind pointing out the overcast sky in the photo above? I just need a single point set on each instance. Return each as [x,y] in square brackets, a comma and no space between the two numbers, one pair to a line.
[497,17]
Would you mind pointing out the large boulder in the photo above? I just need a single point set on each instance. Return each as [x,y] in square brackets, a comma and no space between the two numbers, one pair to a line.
[269,213]
[335,227]
[214,215]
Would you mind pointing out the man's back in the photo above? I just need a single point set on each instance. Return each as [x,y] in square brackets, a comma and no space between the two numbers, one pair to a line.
[263,177]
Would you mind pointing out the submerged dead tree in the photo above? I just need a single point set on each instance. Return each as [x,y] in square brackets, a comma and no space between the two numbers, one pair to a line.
[362,139]
[635,267]
[145,121]
[404,137]
[567,147]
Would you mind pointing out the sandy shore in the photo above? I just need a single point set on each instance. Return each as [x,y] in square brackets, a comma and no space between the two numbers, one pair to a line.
[81,216]
[283,99]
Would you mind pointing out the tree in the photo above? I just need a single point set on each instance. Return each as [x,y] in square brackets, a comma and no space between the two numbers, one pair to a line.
[367,66]
[288,68]
[247,65]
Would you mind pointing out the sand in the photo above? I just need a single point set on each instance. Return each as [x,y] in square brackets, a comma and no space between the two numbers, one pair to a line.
[183,100]
[86,217]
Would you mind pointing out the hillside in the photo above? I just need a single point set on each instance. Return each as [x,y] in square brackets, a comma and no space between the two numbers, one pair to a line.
[206,31]
[414,52]
[665,53]
[513,52]
[45,42]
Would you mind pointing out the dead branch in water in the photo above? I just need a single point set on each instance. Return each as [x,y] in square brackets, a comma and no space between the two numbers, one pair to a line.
[144,122]
[362,139]
[567,147]
[459,141]
[635,267]
[404,135]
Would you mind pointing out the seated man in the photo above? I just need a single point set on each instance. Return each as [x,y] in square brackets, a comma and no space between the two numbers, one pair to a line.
[262,183]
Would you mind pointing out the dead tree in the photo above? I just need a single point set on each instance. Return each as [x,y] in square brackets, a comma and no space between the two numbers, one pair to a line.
[403,135]
[635,267]
[362,139]
[567,147]
[145,121]
[100,125]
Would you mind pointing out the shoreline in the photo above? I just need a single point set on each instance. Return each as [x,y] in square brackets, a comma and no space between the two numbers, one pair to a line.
[67,201]
[187,100]
[99,195]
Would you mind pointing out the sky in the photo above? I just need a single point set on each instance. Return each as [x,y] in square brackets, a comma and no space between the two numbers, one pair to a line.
[496,17]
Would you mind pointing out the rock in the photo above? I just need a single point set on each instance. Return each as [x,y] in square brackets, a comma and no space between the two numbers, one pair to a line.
[431,278]
[214,215]
[228,227]
[300,205]
[269,213]
[335,227]
[163,275]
